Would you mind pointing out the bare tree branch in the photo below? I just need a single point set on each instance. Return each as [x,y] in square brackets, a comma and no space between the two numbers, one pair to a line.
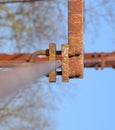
[19,1]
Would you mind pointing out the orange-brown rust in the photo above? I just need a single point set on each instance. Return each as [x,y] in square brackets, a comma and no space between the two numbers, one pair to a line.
[75,26]
[10,60]
[75,6]
[78,64]
[65,63]
[52,57]
[75,37]
[99,60]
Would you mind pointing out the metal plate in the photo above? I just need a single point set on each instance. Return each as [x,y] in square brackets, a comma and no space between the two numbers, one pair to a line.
[75,37]
[52,57]
[65,63]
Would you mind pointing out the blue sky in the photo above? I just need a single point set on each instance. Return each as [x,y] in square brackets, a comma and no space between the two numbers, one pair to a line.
[88,103]
[92,106]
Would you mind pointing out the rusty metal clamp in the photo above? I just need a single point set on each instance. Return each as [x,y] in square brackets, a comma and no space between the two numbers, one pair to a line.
[72,66]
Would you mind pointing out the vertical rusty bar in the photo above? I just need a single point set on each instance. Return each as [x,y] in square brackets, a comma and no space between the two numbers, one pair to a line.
[75,36]
[52,57]
[75,26]
[65,63]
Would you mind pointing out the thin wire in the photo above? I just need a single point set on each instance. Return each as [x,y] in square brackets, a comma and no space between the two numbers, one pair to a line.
[20,1]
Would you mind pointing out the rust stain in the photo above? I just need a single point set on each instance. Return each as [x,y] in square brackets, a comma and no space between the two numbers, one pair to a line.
[76,67]
[52,57]
[65,63]
[72,54]
[75,37]
[90,60]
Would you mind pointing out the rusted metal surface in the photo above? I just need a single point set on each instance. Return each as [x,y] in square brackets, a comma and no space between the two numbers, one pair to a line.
[99,60]
[75,37]
[35,54]
[65,63]
[76,63]
[75,27]
[72,54]
[90,60]
[11,60]
[52,57]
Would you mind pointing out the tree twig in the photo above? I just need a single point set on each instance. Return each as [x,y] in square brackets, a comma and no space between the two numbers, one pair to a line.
[20,1]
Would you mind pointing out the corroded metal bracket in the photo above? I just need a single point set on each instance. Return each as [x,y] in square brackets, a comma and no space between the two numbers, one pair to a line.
[72,66]
[75,26]
[75,37]
[65,63]
[72,53]
[91,60]
[52,57]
